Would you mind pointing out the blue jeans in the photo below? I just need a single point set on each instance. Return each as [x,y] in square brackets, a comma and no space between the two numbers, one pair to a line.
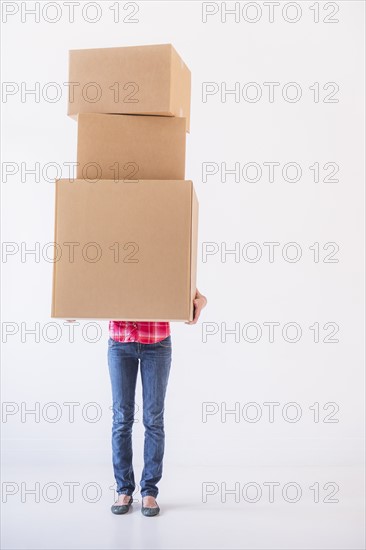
[155,362]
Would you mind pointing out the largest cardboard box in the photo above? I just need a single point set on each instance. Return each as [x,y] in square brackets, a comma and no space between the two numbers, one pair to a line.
[125,250]
[130,147]
[150,80]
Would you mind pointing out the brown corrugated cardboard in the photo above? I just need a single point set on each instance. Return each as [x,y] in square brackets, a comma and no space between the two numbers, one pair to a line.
[150,80]
[127,250]
[130,147]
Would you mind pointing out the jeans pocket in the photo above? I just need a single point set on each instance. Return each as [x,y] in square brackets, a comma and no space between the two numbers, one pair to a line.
[166,343]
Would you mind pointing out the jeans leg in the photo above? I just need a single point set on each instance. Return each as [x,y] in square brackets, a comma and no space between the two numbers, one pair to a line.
[123,367]
[155,367]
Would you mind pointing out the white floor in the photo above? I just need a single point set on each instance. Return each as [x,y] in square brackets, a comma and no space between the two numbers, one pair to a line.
[185,521]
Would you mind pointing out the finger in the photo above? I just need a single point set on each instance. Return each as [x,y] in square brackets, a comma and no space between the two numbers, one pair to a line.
[193,320]
[196,315]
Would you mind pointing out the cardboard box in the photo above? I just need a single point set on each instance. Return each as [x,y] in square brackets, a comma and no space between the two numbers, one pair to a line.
[130,147]
[125,250]
[149,80]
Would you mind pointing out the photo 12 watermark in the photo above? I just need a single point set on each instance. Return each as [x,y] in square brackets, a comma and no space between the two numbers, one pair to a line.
[70,12]
[270,12]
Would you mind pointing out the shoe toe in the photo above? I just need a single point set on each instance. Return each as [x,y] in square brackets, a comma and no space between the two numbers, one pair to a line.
[148,511]
[120,508]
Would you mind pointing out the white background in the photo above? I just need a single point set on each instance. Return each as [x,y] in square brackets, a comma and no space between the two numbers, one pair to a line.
[224,449]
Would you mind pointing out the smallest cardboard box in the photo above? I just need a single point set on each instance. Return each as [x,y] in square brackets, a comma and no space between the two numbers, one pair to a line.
[130,147]
[149,80]
[125,250]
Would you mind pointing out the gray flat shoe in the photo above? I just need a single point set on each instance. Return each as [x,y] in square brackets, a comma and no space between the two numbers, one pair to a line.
[149,511]
[121,508]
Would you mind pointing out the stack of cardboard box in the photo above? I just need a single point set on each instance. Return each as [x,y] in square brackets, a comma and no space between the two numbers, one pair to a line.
[126,227]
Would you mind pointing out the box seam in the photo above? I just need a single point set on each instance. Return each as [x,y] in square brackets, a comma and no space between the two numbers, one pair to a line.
[53,311]
[190,255]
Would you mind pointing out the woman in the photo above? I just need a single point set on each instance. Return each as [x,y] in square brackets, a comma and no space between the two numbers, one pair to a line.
[149,342]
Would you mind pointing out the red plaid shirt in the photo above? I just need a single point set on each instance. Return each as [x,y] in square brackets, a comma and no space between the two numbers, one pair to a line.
[138,331]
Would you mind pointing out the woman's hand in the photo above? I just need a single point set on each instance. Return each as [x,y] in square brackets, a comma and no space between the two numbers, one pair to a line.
[199,303]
